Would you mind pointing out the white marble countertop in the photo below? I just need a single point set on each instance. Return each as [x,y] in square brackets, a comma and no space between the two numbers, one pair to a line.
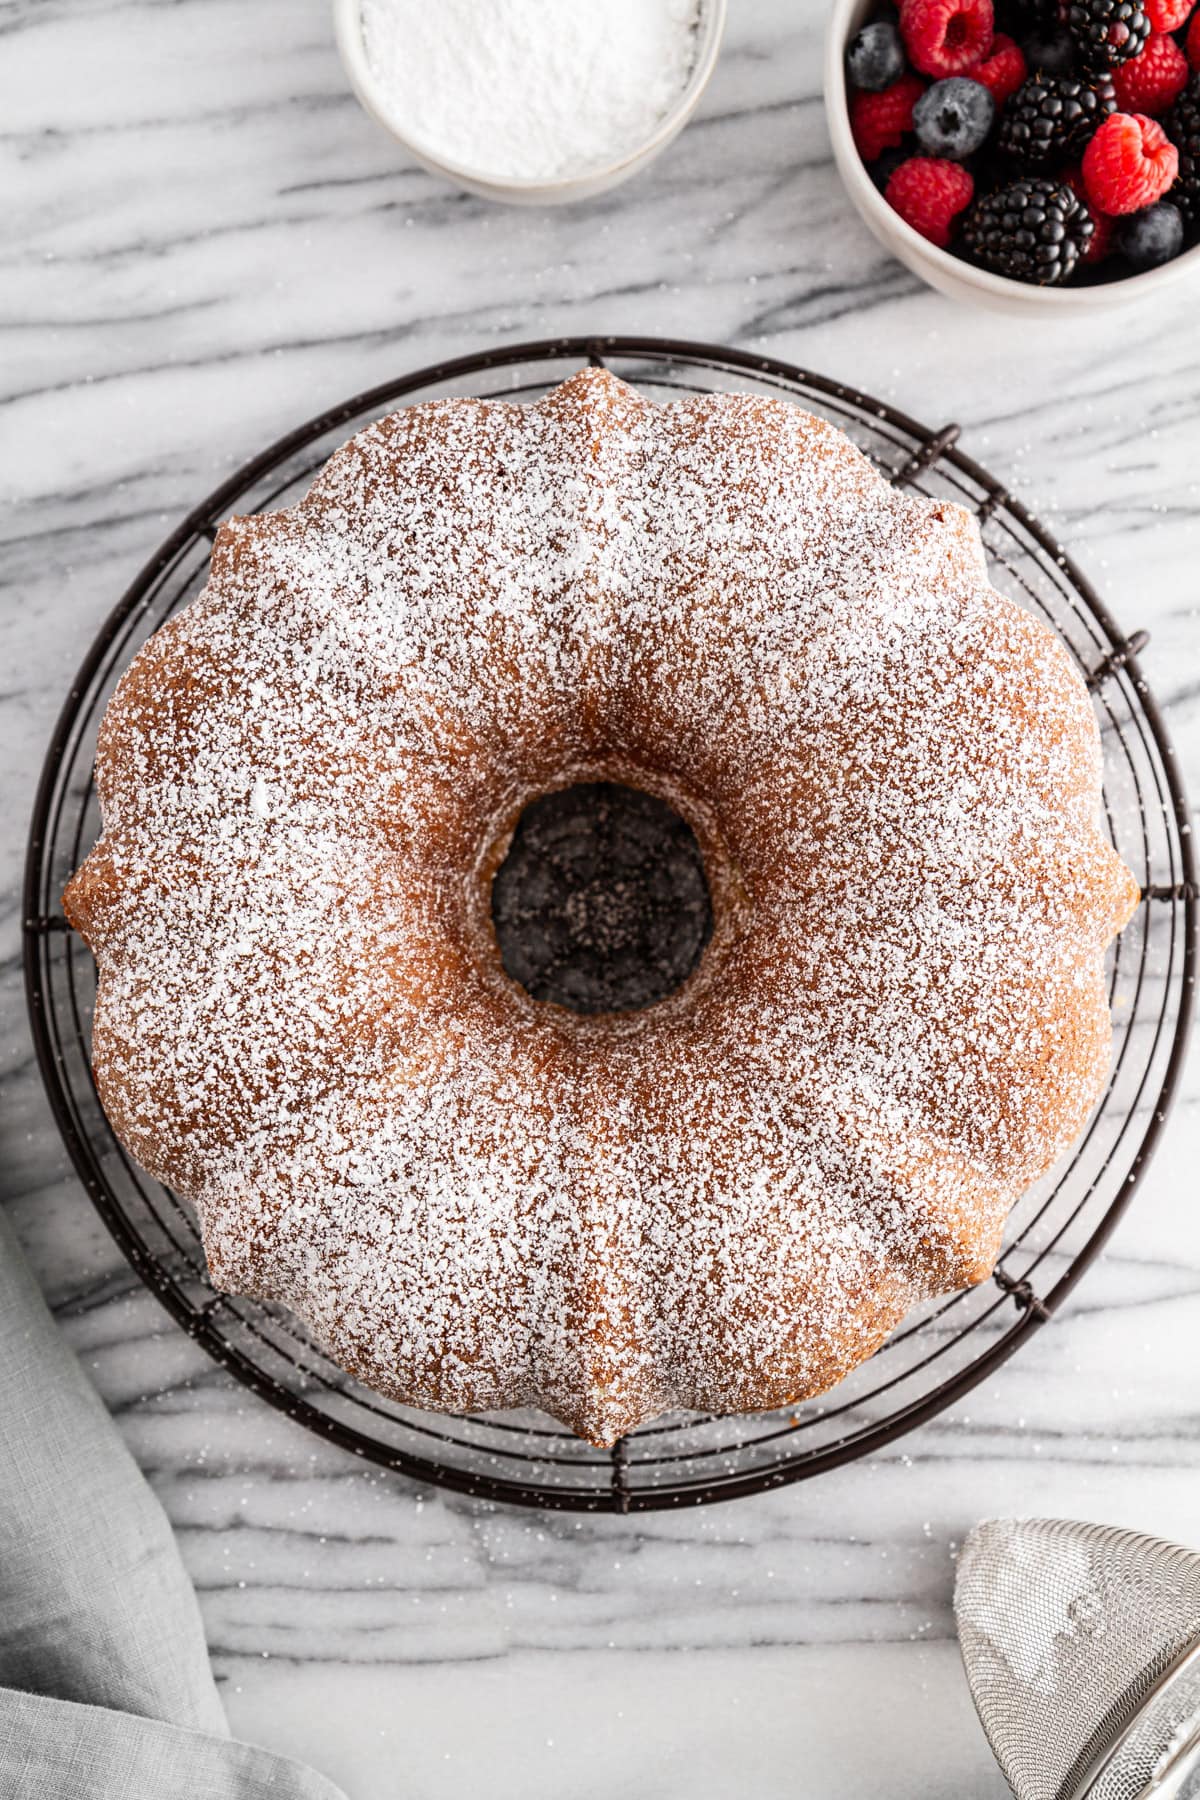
[205,242]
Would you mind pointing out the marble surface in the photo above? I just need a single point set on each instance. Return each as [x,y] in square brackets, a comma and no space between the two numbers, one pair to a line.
[206,241]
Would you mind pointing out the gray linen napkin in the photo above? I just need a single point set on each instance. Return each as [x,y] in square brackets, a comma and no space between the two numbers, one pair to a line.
[105,1687]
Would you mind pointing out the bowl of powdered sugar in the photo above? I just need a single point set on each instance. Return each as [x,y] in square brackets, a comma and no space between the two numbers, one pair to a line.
[531,100]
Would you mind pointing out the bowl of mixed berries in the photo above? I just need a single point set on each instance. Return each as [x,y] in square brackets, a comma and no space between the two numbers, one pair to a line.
[1030,154]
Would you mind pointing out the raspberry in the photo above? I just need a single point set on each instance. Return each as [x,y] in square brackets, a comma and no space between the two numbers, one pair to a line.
[1193,42]
[1101,241]
[929,194]
[1130,163]
[946,37]
[1153,81]
[879,121]
[1168,15]
[1003,69]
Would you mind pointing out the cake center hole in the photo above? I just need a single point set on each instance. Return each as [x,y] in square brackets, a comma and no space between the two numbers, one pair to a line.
[601,904]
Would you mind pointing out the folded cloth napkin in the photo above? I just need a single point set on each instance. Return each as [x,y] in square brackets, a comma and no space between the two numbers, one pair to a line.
[105,1688]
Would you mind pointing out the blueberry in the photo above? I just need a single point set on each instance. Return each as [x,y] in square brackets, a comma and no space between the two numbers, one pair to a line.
[885,166]
[1152,236]
[1050,49]
[953,117]
[875,57]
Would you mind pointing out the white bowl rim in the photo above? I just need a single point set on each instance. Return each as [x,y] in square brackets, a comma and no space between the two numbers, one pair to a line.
[1002,287]
[711,22]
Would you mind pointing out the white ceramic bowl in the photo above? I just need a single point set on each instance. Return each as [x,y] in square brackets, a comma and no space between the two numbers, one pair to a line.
[347,16]
[961,280]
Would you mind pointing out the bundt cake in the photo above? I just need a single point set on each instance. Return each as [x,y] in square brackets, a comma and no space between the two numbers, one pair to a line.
[478,1199]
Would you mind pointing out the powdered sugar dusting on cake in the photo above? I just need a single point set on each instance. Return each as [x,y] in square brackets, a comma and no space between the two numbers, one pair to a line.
[477,1201]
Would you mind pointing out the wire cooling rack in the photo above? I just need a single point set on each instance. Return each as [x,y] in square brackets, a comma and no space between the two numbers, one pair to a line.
[939,1352]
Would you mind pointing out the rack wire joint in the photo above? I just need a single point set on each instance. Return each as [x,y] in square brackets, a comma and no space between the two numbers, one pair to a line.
[992,501]
[1021,1293]
[1116,659]
[1174,890]
[928,454]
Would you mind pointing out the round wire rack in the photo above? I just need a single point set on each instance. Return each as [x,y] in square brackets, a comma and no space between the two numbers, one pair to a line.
[940,1351]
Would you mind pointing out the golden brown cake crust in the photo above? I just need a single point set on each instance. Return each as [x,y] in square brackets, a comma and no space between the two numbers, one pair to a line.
[726,1201]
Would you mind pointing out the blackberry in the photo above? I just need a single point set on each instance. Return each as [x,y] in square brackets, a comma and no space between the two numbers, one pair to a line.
[1051,119]
[1034,230]
[875,57]
[953,117]
[1182,125]
[1107,32]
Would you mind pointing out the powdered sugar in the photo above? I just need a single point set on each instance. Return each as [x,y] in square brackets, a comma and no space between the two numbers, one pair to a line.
[724,1201]
[530,90]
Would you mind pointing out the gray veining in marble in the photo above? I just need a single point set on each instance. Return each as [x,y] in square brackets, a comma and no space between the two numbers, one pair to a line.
[205,241]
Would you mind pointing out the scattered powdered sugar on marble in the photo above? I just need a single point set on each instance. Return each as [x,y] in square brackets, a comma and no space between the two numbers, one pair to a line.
[725,1201]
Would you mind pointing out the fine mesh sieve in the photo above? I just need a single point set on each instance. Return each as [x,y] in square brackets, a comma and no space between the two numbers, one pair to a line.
[1082,1649]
